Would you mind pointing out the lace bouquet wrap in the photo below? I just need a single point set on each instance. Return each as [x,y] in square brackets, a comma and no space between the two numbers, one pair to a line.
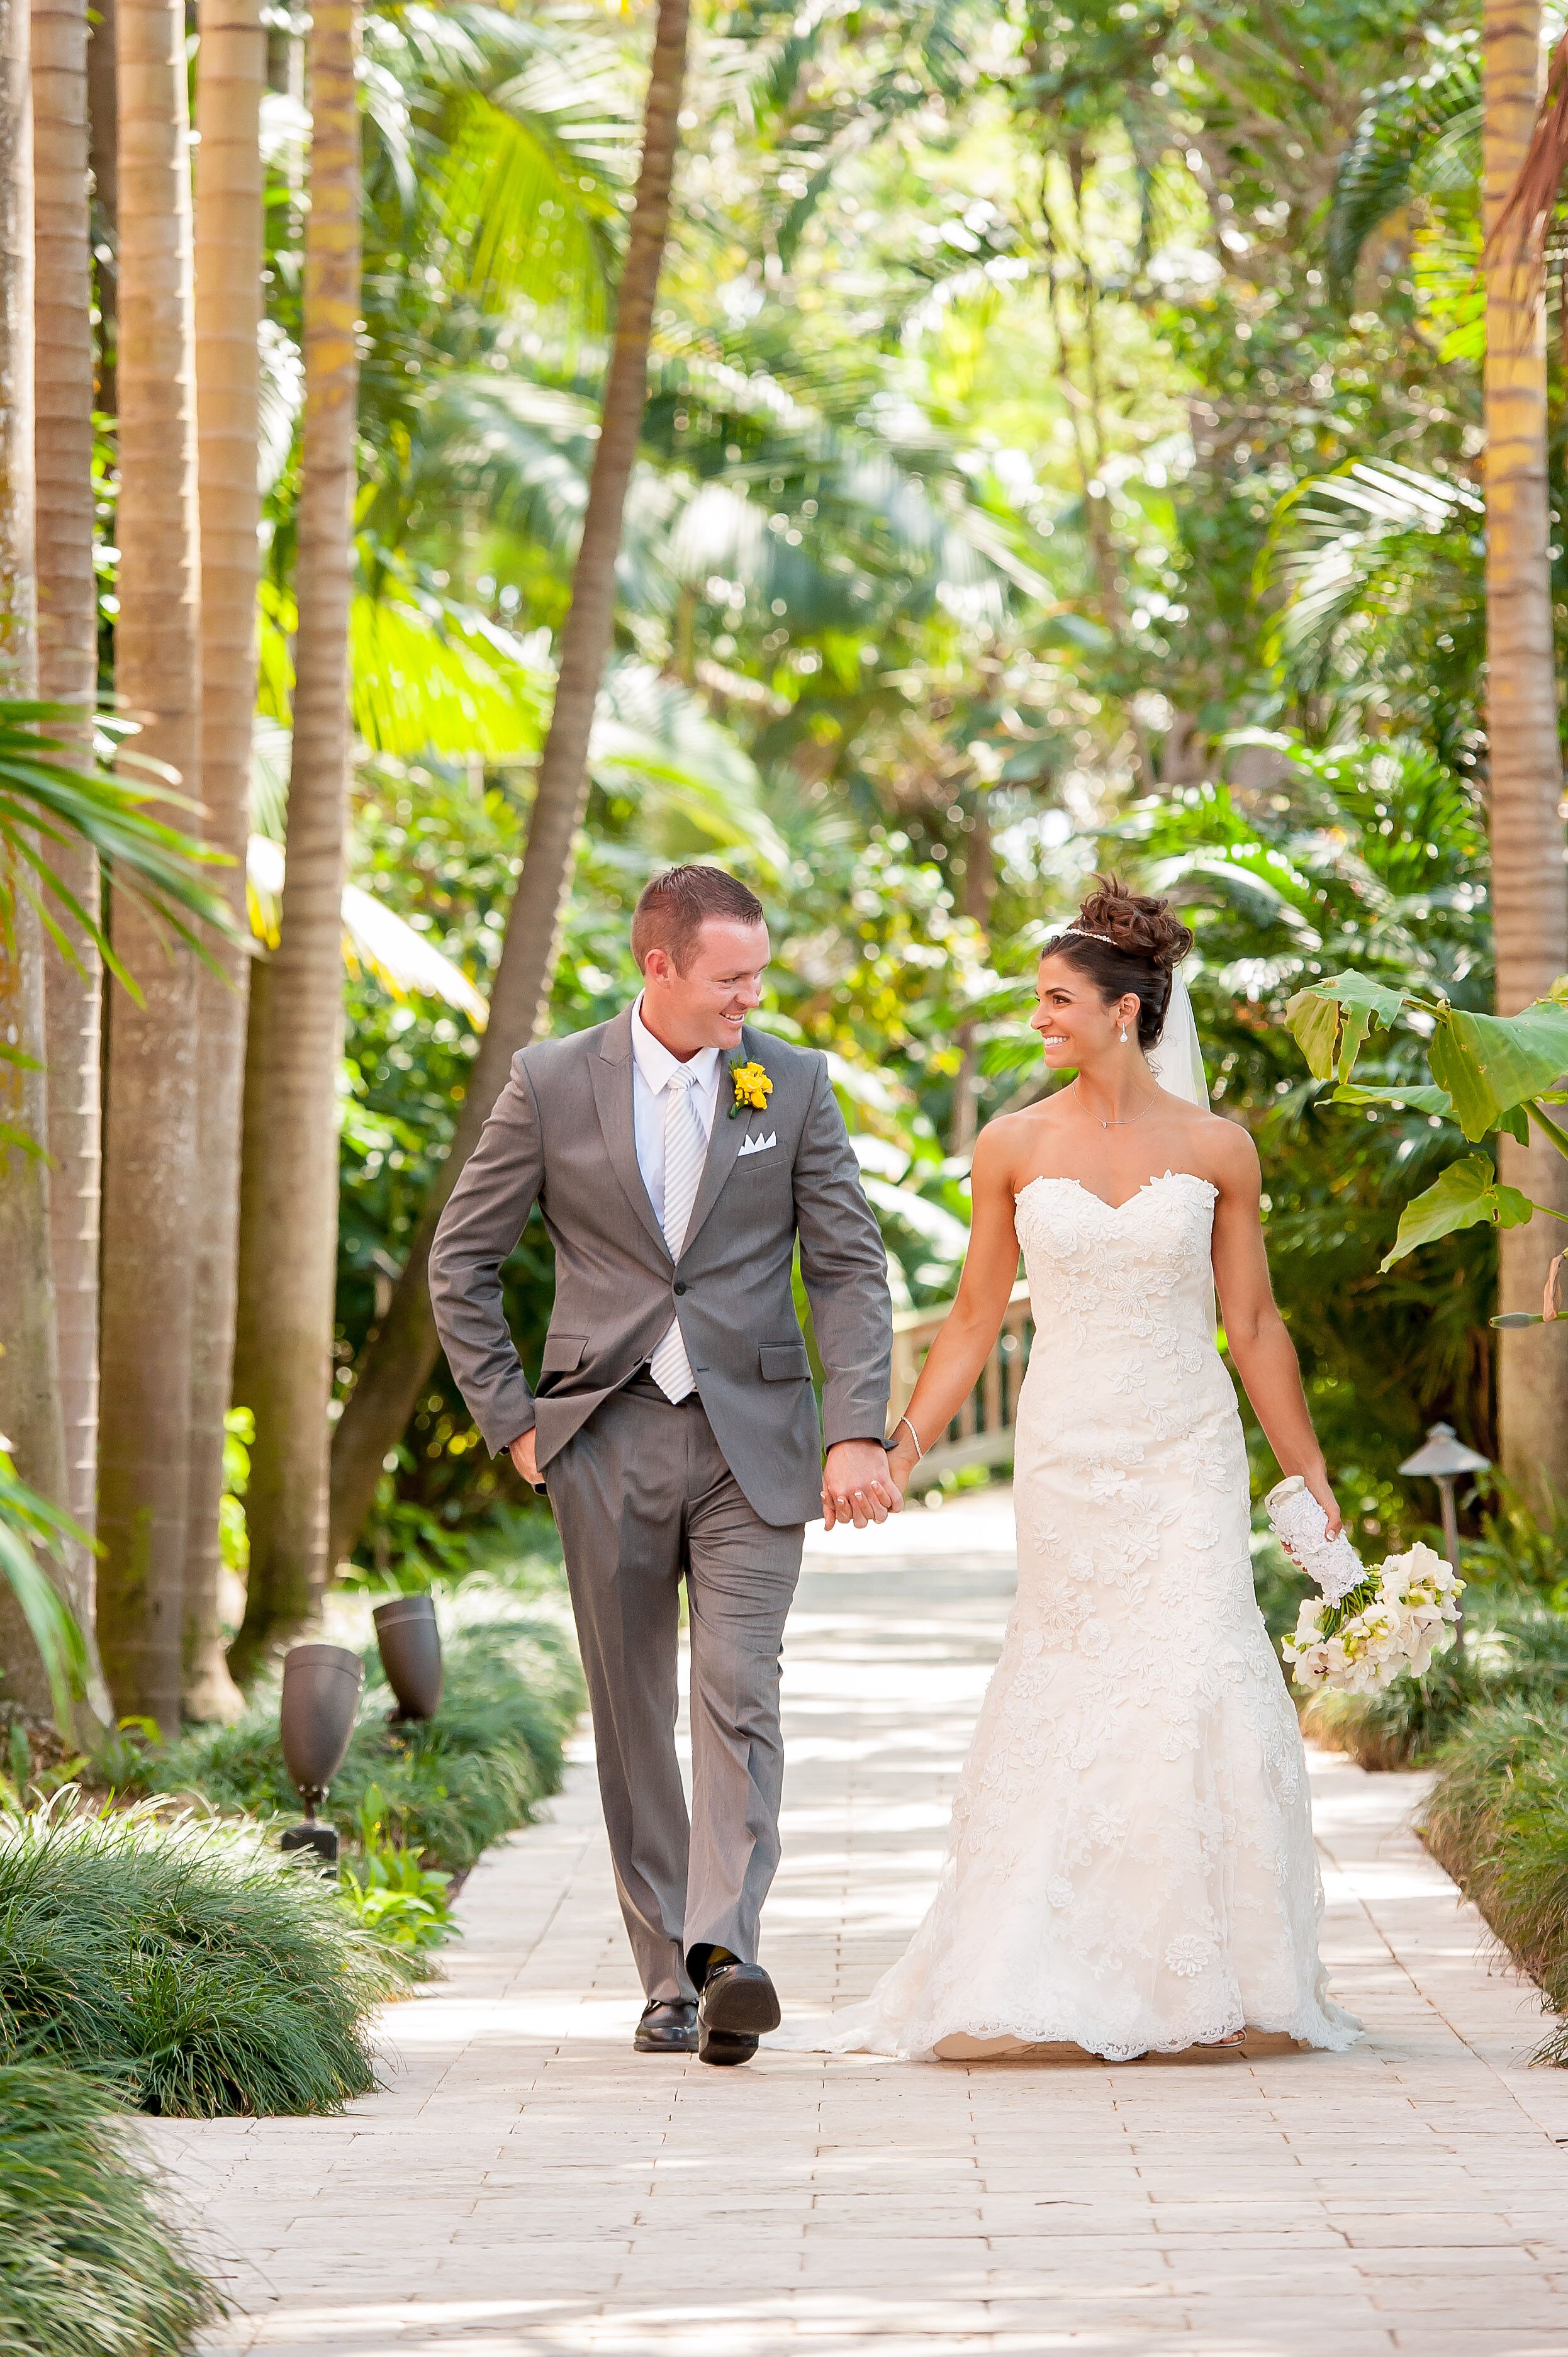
[1365,1627]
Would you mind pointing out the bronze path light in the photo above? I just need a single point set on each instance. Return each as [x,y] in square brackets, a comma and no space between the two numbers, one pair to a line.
[410,1653]
[321,1689]
[1443,1458]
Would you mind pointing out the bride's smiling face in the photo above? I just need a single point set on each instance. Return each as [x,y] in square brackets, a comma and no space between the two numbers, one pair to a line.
[1075,1025]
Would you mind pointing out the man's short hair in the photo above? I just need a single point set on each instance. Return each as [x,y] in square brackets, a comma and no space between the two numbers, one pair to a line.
[671,910]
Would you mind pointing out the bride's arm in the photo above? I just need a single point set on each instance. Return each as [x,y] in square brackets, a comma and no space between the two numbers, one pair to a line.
[1258,1341]
[954,1362]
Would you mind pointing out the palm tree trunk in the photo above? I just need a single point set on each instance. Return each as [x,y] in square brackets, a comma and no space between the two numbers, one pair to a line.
[229,196]
[150,1176]
[403,1350]
[68,674]
[30,1415]
[29,1378]
[103,161]
[1529,897]
[291,1249]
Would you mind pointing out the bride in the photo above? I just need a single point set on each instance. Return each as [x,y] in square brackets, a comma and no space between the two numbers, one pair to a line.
[1130,1867]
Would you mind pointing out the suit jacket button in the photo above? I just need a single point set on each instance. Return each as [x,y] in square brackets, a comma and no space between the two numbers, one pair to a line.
[680,1285]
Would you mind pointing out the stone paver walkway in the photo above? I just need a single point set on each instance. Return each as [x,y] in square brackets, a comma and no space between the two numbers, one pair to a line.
[530,2187]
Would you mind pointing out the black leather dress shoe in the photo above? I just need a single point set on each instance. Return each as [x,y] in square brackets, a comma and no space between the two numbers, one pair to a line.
[737,2003]
[669,2026]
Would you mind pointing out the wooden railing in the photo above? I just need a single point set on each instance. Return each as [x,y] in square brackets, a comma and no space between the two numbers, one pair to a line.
[981,1431]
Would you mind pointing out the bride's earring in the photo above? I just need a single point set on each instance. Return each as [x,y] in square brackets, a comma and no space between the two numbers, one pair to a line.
[1124,1031]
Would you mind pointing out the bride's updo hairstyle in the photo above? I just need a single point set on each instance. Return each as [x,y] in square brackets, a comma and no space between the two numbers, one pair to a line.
[1126,941]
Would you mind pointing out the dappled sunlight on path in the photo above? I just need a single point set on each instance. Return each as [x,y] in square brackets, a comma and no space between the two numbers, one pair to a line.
[528,2187]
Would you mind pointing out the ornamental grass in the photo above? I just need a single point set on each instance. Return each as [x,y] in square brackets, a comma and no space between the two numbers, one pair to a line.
[90,2266]
[445,1789]
[192,1968]
[1516,1651]
[1497,1818]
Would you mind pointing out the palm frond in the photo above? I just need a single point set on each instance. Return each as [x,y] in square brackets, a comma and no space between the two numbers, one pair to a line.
[430,675]
[374,936]
[45,800]
[30,1525]
[1419,135]
[513,134]
[1373,538]
[1533,199]
[653,738]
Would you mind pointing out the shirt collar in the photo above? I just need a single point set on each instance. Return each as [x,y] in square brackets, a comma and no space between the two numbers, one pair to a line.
[655,1062]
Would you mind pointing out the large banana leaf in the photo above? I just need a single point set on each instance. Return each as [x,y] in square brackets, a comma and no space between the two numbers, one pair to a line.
[1468,1192]
[1488,1072]
[1331,1020]
[1488,1063]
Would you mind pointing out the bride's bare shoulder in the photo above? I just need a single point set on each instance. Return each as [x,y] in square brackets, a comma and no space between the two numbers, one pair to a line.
[1228,1153]
[1009,1146]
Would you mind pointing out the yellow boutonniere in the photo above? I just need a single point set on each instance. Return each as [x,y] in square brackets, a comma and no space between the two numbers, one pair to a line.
[752,1089]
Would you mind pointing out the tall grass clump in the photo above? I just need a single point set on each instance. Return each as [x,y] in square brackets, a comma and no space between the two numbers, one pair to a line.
[444,1790]
[1497,1818]
[1516,1650]
[89,2266]
[185,1962]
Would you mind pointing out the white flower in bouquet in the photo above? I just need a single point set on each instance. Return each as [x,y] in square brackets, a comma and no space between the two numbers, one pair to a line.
[1391,1622]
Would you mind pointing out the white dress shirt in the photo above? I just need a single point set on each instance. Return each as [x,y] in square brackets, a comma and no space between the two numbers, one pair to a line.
[651,1065]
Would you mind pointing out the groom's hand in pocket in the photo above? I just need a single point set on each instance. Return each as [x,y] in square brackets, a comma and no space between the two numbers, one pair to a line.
[856,1485]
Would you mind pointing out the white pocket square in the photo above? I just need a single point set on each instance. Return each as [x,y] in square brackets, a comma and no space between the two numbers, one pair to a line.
[758,1145]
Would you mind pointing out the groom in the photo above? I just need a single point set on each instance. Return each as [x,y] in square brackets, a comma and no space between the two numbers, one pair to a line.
[678,1158]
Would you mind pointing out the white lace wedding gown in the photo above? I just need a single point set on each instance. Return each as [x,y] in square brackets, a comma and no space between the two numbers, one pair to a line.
[1131,1862]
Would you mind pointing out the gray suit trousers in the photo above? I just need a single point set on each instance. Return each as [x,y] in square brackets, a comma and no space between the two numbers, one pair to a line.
[643,1497]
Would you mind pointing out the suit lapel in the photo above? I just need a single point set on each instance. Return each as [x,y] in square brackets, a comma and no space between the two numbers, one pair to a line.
[728,1136]
[611,1074]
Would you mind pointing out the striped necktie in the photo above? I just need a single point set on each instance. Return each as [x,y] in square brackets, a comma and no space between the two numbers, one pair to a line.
[685,1151]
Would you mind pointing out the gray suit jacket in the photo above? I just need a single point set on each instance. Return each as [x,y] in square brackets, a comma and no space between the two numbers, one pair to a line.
[560,1137]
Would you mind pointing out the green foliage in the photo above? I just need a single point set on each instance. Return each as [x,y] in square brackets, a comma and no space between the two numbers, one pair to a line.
[1497,1817]
[1373,577]
[1374,853]
[45,800]
[90,2266]
[233,1536]
[1418,137]
[1469,1193]
[443,1790]
[184,1963]
[30,1525]
[1019,488]
[1489,1072]
[391,1892]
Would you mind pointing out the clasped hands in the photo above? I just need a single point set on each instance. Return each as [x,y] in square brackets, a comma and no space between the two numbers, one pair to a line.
[862,1482]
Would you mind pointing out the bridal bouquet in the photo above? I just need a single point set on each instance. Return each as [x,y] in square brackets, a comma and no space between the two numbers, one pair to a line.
[1391,1620]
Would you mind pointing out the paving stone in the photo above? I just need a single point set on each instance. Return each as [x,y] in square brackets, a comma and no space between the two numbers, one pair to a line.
[528,2187]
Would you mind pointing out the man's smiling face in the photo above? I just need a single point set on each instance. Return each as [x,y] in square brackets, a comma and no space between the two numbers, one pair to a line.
[705,1003]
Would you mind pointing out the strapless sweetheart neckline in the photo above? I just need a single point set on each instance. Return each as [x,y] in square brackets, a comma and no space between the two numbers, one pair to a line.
[1048,1180]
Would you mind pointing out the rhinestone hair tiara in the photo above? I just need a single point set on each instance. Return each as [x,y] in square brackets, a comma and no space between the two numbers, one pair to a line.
[1083,933]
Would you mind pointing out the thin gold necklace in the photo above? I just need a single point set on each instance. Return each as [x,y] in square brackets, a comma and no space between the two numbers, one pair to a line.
[1127,1119]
